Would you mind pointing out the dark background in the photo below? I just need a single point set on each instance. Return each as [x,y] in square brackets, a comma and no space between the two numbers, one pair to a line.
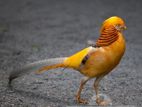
[31,30]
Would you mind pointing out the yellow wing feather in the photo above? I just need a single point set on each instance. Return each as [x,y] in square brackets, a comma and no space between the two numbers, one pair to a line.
[75,60]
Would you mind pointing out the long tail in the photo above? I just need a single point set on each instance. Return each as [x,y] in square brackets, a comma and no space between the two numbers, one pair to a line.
[39,65]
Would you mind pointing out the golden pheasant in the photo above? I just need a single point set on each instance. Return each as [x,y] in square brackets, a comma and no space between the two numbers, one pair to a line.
[93,62]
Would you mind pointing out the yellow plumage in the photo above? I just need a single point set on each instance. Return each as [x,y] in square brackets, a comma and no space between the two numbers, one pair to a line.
[75,60]
[100,60]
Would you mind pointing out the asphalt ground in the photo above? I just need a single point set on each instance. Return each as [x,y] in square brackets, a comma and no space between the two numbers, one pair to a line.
[32,30]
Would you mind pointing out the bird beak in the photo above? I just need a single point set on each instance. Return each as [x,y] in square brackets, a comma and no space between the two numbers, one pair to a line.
[124,27]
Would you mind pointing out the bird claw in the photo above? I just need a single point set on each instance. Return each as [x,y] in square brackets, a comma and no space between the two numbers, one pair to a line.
[101,102]
[81,101]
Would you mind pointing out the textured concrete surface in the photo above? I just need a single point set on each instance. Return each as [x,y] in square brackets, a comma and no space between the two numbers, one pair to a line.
[31,30]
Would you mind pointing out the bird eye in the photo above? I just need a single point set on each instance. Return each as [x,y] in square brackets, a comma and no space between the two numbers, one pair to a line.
[118,25]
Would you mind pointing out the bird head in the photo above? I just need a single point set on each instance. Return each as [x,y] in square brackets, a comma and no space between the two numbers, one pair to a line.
[116,22]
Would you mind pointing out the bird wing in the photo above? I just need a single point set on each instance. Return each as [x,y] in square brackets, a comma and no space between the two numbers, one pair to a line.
[78,58]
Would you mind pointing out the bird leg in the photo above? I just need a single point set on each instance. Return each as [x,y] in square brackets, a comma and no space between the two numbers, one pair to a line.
[99,101]
[83,82]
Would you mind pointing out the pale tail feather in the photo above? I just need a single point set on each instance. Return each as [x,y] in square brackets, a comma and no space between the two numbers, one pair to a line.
[36,66]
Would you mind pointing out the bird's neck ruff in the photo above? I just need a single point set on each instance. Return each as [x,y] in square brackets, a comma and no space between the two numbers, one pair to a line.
[107,37]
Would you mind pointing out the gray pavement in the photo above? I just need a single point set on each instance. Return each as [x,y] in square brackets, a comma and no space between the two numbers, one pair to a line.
[31,30]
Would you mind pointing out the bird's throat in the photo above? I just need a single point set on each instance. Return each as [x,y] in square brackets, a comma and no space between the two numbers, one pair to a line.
[107,37]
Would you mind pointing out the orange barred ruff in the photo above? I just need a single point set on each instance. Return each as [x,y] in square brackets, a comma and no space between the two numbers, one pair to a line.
[108,36]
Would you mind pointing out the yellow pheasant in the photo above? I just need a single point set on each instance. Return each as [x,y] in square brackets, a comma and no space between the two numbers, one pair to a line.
[95,61]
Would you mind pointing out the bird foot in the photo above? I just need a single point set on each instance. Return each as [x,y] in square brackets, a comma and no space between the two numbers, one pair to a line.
[81,101]
[101,102]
